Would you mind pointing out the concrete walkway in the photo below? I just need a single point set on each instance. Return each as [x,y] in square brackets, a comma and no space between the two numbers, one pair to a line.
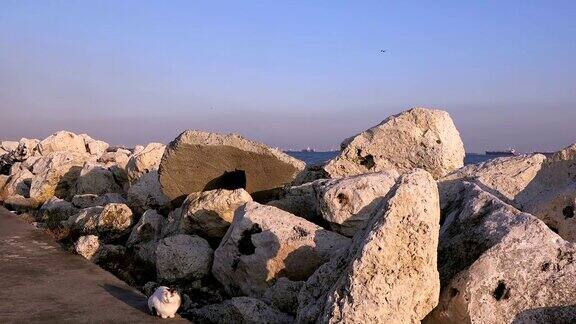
[41,283]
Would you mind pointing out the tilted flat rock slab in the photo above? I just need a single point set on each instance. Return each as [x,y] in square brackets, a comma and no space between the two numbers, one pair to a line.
[388,274]
[199,161]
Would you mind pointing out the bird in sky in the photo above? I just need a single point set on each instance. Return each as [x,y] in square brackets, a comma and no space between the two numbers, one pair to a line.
[382,51]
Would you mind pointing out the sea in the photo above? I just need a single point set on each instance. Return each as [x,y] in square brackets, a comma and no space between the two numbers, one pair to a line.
[314,158]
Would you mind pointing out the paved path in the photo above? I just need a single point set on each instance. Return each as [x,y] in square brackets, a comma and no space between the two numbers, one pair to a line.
[41,283]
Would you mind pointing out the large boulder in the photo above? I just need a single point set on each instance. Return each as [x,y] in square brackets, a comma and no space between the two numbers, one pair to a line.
[551,196]
[417,138]
[18,183]
[96,179]
[240,310]
[54,211]
[347,204]
[265,243]
[200,161]
[56,175]
[343,204]
[183,257]
[110,222]
[146,193]
[503,177]
[94,147]
[527,277]
[472,222]
[62,141]
[145,161]
[145,235]
[388,274]
[209,213]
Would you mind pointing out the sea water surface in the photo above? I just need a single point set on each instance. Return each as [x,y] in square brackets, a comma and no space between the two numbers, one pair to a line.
[312,158]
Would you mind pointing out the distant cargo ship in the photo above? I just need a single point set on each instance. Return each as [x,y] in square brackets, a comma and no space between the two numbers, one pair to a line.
[308,149]
[509,152]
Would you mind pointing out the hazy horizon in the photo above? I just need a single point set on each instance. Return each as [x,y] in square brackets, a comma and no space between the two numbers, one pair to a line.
[290,75]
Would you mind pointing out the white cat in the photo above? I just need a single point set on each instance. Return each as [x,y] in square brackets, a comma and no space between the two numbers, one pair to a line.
[164,302]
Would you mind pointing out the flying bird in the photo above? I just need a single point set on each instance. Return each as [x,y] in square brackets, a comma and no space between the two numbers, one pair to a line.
[382,51]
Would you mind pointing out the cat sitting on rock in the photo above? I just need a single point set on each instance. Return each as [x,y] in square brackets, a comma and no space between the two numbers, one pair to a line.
[164,302]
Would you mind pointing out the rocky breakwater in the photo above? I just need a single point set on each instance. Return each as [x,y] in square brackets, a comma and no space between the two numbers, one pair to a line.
[393,230]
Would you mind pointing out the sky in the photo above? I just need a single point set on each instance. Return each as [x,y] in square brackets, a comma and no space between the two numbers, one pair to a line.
[290,74]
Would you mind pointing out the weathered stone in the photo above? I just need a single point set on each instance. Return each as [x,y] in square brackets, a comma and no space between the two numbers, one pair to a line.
[472,221]
[62,141]
[146,193]
[96,179]
[94,147]
[388,274]
[92,200]
[209,213]
[341,204]
[145,161]
[240,310]
[565,154]
[199,161]
[417,138]
[528,274]
[56,210]
[347,204]
[551,196]
[503,177]
[118,156]
[56,175]
[87,246]
[18,183]
[183,257]
[265,243]
[284,295]
[111,221]
[147,229]
[8,146]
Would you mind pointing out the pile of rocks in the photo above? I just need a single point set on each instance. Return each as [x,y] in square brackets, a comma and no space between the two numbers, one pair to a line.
[394,229]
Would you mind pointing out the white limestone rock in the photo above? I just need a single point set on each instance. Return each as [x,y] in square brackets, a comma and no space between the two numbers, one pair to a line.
[417,138]
[183,257]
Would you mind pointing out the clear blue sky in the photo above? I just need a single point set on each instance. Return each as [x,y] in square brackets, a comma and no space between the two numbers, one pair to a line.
[288,73]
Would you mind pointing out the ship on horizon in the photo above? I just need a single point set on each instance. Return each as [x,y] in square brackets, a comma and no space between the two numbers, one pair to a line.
[508,152]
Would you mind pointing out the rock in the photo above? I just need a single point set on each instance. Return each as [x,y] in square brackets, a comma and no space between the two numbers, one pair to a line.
[3,181]
[147,229]
[503,177]
[265,243]
[551,196]
[94,147]
[18,183]
[417,138]
[388,274]
[8,146]
[183,257]
[199,161]
[92,200]
[284,295]
[110,222]
[146,193]
[529,273]
[145,161]
[347,204]
[137,149]
[56,175]
[172,223]
[472,222]
[311,173]
[344,204]
[87,246]
[118,156]
[565,154]
[62,141]
[96,179]
[240,310]
[26,148]
[209,213]
[56,210]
